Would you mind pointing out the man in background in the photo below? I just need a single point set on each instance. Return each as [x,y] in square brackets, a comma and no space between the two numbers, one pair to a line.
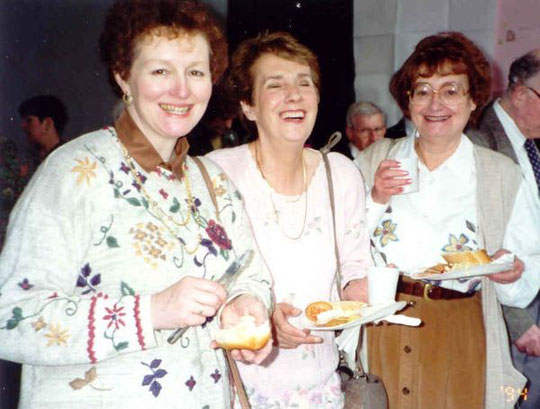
[366,123]
[43,120]
[511,125]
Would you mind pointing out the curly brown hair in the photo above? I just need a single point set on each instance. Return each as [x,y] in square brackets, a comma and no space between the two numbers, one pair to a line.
[444,53]
[241,78]
[129,21]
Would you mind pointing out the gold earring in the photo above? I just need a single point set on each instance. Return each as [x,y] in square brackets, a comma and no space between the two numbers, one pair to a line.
[127,98]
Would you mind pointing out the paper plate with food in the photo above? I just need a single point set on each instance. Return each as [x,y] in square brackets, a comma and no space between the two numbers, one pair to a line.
[465,264]
[331,316]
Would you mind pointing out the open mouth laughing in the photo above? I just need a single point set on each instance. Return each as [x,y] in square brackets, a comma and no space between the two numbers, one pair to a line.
[296,115]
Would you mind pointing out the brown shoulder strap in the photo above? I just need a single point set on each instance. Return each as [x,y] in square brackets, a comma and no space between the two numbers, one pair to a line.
[231,363]
[209,184]
[237,381]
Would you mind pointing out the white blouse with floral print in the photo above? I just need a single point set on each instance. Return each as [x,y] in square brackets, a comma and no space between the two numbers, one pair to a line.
[414,229]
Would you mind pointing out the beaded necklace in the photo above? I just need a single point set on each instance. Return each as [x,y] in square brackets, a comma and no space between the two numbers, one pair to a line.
[157,211]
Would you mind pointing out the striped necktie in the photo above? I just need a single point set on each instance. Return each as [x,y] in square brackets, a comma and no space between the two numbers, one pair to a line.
[532,152]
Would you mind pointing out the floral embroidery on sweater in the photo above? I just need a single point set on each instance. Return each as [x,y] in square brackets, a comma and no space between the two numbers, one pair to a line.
[150,244]
[88,280]
[19,316]
[153,378]
[85,169]
[57,335]
[89,377]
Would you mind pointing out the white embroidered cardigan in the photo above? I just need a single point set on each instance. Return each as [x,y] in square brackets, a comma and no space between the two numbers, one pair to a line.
[82,257]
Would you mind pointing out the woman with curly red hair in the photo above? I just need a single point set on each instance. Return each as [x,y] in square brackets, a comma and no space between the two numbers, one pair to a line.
[117,241]
[469,198]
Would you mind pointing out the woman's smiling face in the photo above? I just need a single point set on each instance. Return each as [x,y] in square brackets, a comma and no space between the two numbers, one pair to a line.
[170,83]
[436,119]
[285,99]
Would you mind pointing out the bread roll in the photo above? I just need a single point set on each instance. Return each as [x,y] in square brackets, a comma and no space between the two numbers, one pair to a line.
[467,257]
[244,335]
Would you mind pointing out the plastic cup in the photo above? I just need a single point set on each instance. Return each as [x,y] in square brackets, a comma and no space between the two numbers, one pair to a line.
[411,166]
[382,285]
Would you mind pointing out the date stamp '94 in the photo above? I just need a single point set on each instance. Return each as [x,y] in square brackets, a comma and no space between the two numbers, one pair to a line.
[514,393]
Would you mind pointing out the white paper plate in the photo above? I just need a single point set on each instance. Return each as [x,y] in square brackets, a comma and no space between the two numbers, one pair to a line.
[472,271]
[369,313]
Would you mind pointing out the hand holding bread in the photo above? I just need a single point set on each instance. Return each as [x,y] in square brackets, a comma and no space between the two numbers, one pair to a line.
[245,329]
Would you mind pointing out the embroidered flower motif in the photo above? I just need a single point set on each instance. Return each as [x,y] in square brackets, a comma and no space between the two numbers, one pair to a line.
[25,284]
[190,383]
[85,169]
[149,242]
[386,232]
[220,190]
[84,279]
[152,379]
[218,235]
[124,168]
[216,376]
[457,244]
[57,335]
[194,206]
[115,316]
[89,377]
[164,194]
[39,324]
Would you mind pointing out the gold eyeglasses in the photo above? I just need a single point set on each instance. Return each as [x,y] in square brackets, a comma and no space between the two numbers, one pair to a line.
[451,93]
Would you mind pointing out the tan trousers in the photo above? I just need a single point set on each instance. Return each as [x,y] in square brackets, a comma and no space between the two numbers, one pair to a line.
[440,365]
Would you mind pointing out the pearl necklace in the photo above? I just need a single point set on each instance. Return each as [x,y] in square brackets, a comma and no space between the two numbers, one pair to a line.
[276,212]
[157,211]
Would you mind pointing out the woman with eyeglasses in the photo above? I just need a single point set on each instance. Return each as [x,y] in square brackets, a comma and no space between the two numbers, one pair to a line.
[469,198]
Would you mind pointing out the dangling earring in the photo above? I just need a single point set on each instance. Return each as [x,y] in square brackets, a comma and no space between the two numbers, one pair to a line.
[127,98]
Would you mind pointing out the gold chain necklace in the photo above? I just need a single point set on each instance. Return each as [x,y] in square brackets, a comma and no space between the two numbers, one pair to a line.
[156,209]
[276,212]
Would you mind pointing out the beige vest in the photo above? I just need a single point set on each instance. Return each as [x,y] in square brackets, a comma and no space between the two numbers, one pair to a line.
[498,181]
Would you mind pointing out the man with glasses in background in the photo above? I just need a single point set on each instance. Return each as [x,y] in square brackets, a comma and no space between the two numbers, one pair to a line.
[366,123]
[511,125]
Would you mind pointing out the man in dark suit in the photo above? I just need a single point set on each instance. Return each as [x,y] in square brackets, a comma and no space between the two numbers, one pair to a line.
[511,125]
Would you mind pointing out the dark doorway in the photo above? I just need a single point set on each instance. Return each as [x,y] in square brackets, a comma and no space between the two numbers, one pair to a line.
[326,27]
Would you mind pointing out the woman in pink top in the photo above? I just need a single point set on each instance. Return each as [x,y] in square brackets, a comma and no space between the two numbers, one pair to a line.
[284,184]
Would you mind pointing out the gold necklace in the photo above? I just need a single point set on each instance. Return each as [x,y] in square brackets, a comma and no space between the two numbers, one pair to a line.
[276,213]
[156,209]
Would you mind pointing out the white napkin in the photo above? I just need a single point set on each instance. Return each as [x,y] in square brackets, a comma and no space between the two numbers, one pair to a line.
[402,320]
[347,342]
[505,258]
[348,339]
